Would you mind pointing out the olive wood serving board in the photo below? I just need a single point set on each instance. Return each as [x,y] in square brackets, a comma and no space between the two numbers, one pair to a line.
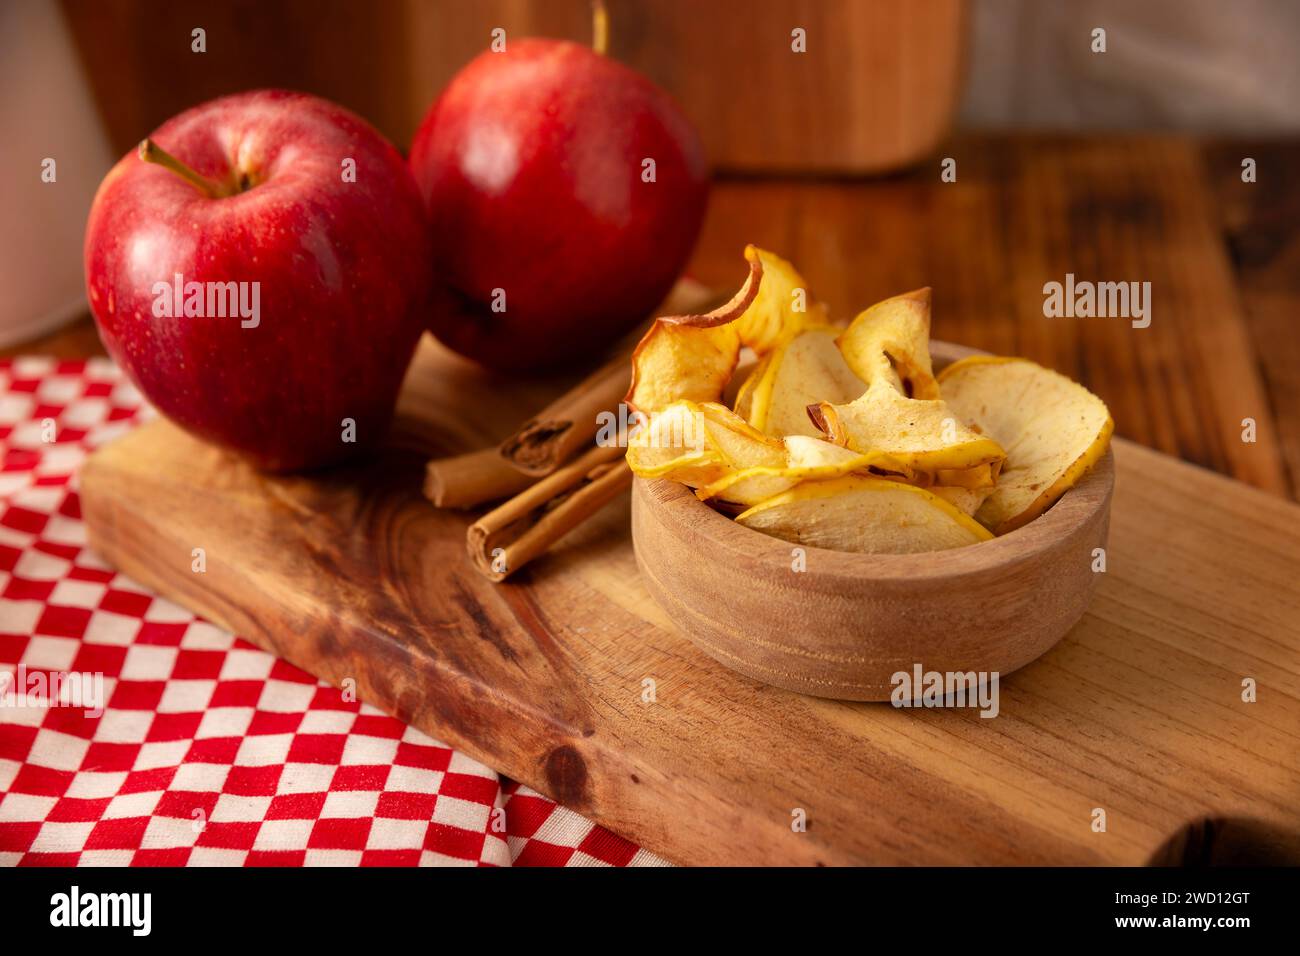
[1137,712]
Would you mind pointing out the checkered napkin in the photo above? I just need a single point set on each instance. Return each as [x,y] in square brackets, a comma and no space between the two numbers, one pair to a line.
[208,751]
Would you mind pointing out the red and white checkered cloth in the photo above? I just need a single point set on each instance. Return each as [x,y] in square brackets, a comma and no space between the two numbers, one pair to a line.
[209,751]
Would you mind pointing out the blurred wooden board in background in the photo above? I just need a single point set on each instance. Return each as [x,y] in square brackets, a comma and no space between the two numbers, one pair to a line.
[876,88]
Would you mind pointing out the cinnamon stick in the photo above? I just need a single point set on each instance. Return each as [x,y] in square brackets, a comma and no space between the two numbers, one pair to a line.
[569,423]
[545,508]
[465,481]
[507,538]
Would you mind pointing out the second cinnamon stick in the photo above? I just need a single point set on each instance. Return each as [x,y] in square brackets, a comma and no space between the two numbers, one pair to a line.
[467,481]
[507,538]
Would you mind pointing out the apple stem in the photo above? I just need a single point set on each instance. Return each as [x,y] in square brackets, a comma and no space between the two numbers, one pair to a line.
[151,152]
[599,27]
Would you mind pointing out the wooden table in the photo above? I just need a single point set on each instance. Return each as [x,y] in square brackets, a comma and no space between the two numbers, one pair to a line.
[1223,258]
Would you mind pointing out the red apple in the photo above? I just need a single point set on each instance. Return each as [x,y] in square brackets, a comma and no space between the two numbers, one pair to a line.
[304,264]
[533,166]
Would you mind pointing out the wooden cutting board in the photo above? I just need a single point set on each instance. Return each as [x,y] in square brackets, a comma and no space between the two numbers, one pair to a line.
[1138,712]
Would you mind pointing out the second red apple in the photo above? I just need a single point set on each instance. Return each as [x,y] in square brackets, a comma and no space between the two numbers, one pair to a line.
[566,192]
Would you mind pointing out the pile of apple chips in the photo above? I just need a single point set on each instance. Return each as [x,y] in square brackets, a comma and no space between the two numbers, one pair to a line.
[842,437]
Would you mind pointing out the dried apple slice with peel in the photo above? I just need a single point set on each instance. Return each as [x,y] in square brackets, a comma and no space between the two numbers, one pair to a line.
[924,435]
[673,444]
[805,370]
[735,308]
[807,452]
[740,443]
[818,458]
[1053,430]
[870,515]
[748,487]
[691,357]
[806,459]
[974,479]
[744,403]
[782,308]
[682,362]
[899,330]
[698,443]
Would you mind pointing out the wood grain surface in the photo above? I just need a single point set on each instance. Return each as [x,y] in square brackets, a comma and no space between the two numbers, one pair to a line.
[1260,223]
[846,624]
[1137,712]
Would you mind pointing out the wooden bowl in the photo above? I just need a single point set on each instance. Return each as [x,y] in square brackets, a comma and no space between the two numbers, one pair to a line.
[844,626]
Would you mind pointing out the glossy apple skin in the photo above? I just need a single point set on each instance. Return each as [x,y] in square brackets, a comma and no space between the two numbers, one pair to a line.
[344,273]
[530,165]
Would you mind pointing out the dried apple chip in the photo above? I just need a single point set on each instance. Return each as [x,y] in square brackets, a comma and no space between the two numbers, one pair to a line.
[871,515]
[1052,428]
[691,357]
[698,443]
[965,500]
[806,459]
[740,443]
[975,479]
[744,403]
[677,362]
[673,444]
[892,338]
[806,370]
[809,453]
[924,435]
[782,308]
[755,462]
[748,487]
